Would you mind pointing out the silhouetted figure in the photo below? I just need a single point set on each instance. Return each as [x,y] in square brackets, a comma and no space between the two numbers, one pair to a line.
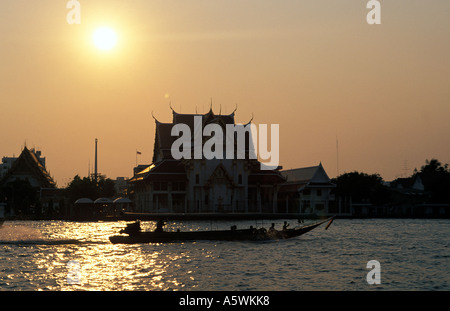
[159,226]
[285,226]
[132,229]
[272,228]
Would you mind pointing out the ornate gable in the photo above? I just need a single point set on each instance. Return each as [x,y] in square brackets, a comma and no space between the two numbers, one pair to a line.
[220,175]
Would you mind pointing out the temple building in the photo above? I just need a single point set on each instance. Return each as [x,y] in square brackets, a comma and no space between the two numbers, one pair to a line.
[27,186]
[200,185]
[28,166]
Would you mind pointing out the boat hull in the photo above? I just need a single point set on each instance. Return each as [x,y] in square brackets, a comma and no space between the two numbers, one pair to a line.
[220,235]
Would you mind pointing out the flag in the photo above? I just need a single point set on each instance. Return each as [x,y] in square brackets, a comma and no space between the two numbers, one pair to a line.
[138,152]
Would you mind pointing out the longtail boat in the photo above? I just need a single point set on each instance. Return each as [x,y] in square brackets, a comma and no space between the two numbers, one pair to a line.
[134,235]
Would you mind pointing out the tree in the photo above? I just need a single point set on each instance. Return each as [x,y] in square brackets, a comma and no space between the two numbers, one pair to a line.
[106,188]
[88,188]
[362,188]
[436,180]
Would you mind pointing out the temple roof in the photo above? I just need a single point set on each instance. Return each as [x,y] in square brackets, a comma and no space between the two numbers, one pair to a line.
[162,171]
[164,140]
[164,167]
[208,117]
[258,175]
[28,164]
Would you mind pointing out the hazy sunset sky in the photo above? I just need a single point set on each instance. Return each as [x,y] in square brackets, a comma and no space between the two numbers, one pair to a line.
[314,67]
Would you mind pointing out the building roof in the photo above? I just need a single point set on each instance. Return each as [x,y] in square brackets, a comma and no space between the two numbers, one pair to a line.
[28,164]
[164,170]
[103,201]
[84,201]
[257,175]
[164,139]
[312,174]
[409,186]
[208,117]
[123,201]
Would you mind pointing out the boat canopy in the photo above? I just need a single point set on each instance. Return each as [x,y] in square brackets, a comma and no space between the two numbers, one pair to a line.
[103,201]
[84,201]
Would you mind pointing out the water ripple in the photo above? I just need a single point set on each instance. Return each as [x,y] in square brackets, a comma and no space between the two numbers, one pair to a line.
[413,255]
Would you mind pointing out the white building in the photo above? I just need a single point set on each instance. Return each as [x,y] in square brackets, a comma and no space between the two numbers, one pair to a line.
[308,191]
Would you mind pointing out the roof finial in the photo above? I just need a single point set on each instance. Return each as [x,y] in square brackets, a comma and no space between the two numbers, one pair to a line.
[234,109]
[250,120]
[154,117]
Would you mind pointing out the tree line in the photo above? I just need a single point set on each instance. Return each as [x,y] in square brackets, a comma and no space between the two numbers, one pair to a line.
[25,199]
[88,187]
[371,188]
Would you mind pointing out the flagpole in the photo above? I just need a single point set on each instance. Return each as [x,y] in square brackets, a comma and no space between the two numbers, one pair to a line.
[137,153]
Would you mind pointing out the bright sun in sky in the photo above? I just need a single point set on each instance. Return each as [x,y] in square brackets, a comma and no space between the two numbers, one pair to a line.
[104,38]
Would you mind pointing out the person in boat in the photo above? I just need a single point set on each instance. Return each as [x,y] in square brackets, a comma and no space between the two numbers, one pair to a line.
[272,228]
[285,226]
[272,231]
[132,229]
[159,226]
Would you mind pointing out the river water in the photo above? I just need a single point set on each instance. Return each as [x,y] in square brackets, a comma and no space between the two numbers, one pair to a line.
[413,254]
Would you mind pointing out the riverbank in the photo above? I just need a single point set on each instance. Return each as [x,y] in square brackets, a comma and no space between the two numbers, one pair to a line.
[130,216]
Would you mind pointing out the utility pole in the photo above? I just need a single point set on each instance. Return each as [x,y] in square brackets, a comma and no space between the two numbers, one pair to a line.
[95,168]
[337,157]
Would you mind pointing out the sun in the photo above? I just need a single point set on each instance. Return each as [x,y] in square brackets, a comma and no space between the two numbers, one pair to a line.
[104,38]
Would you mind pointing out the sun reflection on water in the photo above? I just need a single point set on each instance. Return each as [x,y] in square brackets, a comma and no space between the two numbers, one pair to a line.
[106,266]
[102,265]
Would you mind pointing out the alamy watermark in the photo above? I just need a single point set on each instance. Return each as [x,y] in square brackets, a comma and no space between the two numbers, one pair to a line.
[374,15]
[74,15]
[213,147]
[74,273]
[374,275]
